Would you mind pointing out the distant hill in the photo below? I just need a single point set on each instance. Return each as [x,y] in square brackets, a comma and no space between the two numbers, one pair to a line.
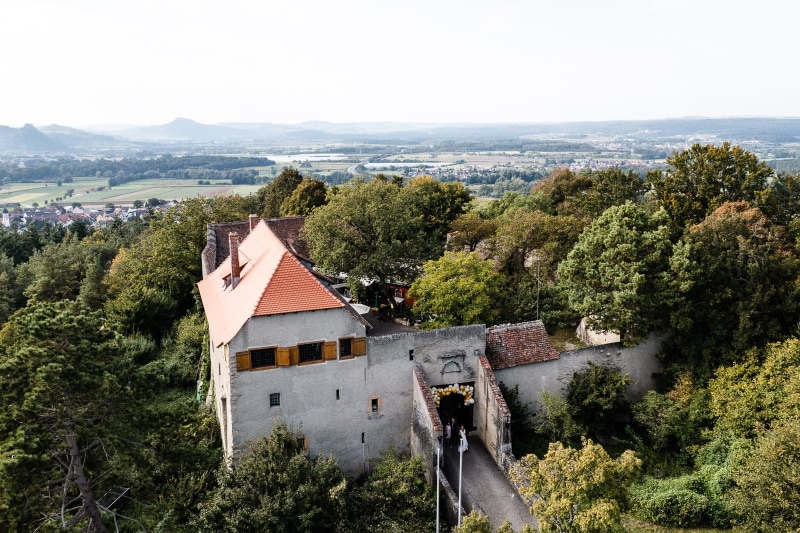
[183,134]
[27,140]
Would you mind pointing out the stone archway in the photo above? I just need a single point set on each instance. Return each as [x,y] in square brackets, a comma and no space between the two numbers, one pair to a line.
[456,401]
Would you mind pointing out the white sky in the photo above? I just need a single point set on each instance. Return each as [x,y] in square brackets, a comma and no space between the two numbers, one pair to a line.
[84,62]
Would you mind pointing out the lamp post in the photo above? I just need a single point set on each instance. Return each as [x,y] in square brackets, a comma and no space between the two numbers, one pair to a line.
[438,459]
[460,463]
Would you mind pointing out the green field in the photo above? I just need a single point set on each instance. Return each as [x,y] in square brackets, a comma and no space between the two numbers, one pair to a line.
[94,192]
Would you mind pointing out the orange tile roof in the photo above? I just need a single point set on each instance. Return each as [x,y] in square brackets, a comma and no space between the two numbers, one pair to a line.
[273,281]
[292,289]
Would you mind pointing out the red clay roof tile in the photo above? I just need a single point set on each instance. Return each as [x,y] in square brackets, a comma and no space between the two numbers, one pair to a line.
[518,344]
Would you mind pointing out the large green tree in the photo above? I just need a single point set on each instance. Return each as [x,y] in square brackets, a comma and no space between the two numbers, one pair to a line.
[437,204]
[308,195]
[276,487]
[58,430]
[702,178]
[738,277]
[368,230]
[576,490]
[275,193]
[610,187]
[617,273]
[766,490]
[535,241]
[457,289]
[469,230]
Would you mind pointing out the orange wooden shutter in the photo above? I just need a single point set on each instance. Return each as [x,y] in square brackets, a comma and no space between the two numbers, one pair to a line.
[359,346]
[242,361]
[294,355]
[329,351]
[282,356]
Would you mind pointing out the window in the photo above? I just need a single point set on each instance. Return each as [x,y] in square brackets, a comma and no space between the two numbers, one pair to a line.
[310,352]
[345,347]
[262,357]
[256,359]
[375,405]
[275,399]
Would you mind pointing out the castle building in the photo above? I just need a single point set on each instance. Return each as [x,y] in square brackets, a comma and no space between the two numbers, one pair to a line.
[286,346]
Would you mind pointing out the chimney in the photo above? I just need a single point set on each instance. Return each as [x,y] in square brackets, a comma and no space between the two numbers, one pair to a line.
[253,222]
[236,271]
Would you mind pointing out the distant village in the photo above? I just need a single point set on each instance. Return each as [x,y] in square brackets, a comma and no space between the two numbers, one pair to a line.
[66,215]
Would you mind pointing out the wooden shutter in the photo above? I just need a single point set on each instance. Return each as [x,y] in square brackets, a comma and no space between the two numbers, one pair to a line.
[329,351]
[282,356]
[294,355]
[359,346]
[242,361]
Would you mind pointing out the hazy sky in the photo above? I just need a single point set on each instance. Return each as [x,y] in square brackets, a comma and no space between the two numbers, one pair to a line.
[84,62]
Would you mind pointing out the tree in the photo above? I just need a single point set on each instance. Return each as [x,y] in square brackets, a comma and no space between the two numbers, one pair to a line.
[737,276]
[437,205]
[395,497]
[610,187]
[702,178]
[474,522]
[154,281]
[535,241]
[469,230]
[596,396]
[555,419]
[761,392]
[272,195]
[137,204]
[562,188]
[458,289]
[276,487]
[576,490]
[617,273]
[308,195]
[766,485]
[367,230]
[59,362]
[10,293]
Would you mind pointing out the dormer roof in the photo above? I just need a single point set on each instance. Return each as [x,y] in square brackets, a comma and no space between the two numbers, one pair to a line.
[272,281]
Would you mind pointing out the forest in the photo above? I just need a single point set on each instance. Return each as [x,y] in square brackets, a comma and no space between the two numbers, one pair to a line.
[104,360]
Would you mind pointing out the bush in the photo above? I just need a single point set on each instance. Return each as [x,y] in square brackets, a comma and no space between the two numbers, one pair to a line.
[676,507]
[691,500]
[596,397]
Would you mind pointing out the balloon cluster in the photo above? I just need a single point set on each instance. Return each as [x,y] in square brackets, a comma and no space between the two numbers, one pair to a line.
[464,390]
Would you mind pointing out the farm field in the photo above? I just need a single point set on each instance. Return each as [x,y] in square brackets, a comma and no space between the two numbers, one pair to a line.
[94,192]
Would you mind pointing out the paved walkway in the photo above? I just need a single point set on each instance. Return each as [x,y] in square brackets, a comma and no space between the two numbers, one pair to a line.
[485,486]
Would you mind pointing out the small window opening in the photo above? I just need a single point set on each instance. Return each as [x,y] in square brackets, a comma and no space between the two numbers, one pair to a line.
[374,405]
[411,355]
[275,399]
[337,394]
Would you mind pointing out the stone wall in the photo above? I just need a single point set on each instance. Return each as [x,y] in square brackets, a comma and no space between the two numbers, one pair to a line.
[553,377]
[426,426]
[492,416]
